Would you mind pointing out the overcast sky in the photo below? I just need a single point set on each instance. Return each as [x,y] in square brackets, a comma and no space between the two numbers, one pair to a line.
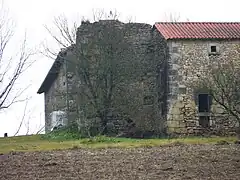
[31,15]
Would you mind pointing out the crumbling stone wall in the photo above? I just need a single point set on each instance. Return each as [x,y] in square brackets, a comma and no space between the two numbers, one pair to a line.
[54,100]
[188,61]
[141,97]
[158,91]
[56,96]
[143,55]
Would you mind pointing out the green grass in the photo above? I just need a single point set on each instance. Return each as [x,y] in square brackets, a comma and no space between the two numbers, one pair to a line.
[44,143]
[62,135]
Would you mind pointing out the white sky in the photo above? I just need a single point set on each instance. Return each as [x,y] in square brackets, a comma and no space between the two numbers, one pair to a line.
[31,15]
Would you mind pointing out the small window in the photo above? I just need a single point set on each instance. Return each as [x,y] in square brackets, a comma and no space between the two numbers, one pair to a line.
[64,83]
[213,49]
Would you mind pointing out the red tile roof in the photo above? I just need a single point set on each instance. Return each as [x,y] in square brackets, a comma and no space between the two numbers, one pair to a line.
[199,30]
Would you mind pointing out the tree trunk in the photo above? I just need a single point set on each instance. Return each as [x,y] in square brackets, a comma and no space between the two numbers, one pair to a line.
[104,123]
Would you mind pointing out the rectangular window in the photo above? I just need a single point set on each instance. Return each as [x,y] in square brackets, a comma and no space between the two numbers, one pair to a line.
[213,49]
[203,103]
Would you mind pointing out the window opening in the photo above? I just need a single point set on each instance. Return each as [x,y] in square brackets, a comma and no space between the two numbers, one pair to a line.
[203,103]
[213,49]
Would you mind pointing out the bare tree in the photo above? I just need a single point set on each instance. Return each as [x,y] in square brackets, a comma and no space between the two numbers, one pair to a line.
[100,14]
[172,17]
[22,119]
[102,81]
[96,74]
[223,84]
[65,36]
[11,68]
[64,32]
[102,73]
[41,127]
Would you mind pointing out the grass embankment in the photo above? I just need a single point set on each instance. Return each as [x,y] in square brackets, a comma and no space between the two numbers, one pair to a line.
[45,143]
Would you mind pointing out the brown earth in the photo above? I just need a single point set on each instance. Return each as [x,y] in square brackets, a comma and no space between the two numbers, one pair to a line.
[169,162]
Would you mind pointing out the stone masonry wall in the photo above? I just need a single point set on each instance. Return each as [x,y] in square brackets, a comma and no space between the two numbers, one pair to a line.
[141,56]
[56,96]
[188,61]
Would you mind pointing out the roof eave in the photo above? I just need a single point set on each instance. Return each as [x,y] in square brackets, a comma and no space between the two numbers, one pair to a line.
[54,70]
[231,39]
[51,76]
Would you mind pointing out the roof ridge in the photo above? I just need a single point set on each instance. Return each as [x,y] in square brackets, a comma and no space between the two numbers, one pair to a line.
[199,30]
[194,22]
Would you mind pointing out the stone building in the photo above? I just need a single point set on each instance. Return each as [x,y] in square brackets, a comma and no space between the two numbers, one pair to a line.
[192,47]
[159,62]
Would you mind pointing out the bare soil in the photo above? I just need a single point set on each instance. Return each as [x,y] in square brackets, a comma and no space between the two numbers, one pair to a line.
[169,162]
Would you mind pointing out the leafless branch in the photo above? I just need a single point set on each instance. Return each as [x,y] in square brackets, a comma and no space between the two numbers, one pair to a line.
[99,66]
[23,118]
[172,17]
[64,35]
[40,130]
[11,68]
[224,84]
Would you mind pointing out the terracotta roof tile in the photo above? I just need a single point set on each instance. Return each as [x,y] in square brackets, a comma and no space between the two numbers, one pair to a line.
[199,30]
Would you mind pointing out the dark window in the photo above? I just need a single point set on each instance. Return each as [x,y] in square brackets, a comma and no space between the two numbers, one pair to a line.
[203,103]
[213,49]
[204,121]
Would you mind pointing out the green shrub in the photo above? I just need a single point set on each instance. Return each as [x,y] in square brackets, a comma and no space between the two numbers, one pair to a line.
[63,134]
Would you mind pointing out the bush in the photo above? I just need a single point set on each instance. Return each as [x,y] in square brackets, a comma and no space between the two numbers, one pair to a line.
[65,133]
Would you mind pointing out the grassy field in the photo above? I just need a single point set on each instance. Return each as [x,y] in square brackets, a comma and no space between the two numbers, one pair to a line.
[40,143]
